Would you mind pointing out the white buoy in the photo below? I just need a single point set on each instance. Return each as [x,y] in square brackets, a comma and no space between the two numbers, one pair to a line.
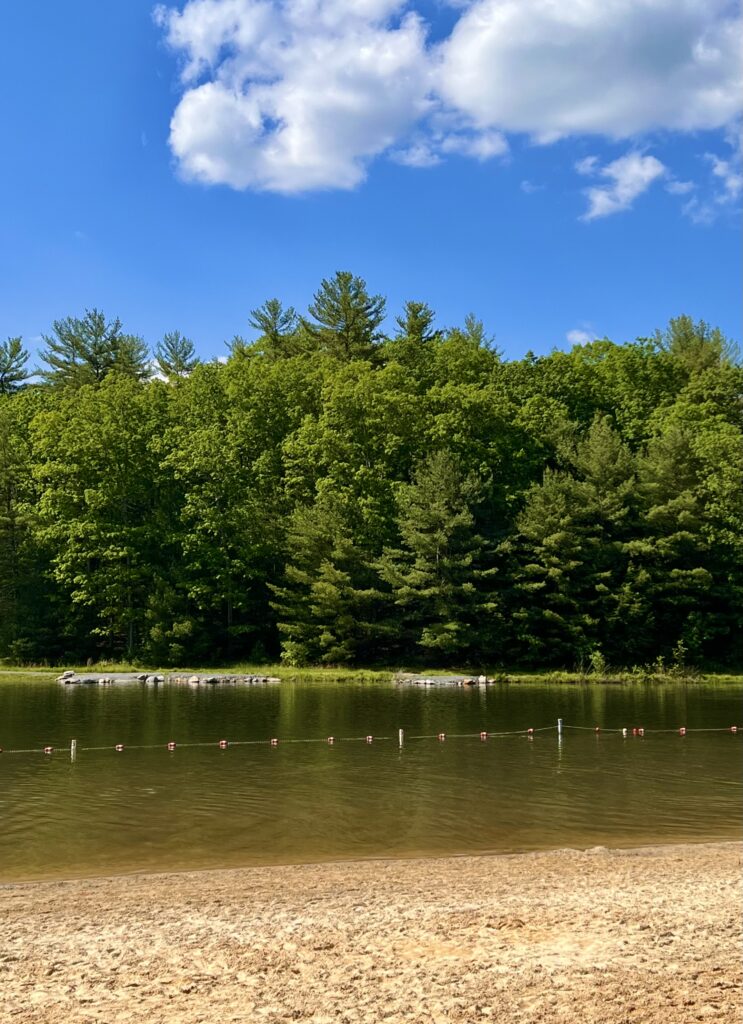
[73,749]
[401,736]
[559,727]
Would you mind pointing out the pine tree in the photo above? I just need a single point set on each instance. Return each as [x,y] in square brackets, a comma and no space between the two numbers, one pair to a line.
[438,576]
[696,346]
[85,351]
[175,356]
[346,318]
[277,329]
[329,604]
[13,360]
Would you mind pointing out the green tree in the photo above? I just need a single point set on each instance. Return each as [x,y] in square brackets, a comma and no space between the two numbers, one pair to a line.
[696,346]
[84,351]
[103,507]
[439,575]
[329,606]
[345,318]
[413,339]
[570,554]
[277,329]
[13,361]
[175,356]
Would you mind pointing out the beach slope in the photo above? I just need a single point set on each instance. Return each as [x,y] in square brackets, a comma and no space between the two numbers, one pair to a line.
[648,935]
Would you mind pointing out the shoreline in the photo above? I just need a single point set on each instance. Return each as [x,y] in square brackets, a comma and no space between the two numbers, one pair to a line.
[649,933]
[368,676]
[632,848]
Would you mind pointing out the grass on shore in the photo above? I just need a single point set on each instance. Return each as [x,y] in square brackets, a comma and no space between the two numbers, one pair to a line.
[653,674]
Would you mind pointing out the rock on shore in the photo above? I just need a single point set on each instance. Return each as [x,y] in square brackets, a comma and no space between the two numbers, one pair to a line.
[71,678]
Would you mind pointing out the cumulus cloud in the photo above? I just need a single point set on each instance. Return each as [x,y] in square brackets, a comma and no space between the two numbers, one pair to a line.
[297,96]
[290,95]
[626,179]
[609,67]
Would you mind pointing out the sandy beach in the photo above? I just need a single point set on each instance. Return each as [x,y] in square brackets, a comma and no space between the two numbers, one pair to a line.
[647,935]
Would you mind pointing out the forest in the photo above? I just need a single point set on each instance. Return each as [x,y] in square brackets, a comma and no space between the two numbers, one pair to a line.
[337,494]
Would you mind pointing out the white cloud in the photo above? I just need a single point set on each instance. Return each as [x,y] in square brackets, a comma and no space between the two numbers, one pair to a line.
[729,174]
[700,211]
[479,145]
[607,67]
[721,192]
[587,165]
[427,151]
[580,337]
[290,95]
[679,188]
[418,154]
[297,96]
[530,187]
[628,177]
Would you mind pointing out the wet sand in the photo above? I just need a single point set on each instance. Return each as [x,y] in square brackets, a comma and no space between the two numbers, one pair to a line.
[611,937]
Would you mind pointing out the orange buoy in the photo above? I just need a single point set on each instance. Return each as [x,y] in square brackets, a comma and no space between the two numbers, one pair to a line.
[682,731]
[223,744]
[119,747]
[274,742]
[640,732]
[369,739]
[442,736]
[597,728]
[483,735]
[331,740]
[733,728]
[530,732]
[48,750]
[171,745]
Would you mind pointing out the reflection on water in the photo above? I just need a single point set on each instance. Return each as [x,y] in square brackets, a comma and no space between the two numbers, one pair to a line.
[205,807]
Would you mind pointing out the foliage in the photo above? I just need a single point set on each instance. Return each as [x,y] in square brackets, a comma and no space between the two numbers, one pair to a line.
[13,360]
[334,496]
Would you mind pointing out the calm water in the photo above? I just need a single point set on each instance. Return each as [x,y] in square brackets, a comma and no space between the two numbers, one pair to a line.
[206,807]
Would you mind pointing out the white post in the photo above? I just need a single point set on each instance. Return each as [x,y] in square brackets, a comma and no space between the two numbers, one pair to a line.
[73,749]
[559,727]
[400,736]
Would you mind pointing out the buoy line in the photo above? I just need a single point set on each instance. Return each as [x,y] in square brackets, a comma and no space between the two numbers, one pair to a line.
[223,744]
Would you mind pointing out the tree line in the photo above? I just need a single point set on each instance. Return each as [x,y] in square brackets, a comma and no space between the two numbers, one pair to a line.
[337,494]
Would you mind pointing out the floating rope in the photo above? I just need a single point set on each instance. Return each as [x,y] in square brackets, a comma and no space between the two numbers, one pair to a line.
[402,738]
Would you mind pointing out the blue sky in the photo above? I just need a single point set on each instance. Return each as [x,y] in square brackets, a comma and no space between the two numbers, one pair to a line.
[551,176]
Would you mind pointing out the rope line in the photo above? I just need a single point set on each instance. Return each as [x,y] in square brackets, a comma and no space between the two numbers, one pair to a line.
[332,740]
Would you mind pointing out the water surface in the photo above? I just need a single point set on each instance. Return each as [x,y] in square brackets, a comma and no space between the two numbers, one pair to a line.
[196,807]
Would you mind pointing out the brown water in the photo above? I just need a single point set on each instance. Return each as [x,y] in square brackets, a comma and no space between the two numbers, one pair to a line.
[197,807]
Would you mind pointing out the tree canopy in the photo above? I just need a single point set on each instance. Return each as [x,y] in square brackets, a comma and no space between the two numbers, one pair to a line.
[333,494]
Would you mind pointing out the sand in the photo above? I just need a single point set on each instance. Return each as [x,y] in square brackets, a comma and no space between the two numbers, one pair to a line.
[649,935]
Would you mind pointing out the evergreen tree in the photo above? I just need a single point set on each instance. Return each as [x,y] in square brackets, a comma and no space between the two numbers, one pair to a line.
[345,318]
[277,329]
[13,360]
[570,553]
[696,346]
[412,343]
[175,356]
[85,351]
[438,576]
[329,606]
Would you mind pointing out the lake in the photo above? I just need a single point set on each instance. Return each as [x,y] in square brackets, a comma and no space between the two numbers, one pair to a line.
[150,809]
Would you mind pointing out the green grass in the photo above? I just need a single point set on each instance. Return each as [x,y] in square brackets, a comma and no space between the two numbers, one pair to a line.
[45,673]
